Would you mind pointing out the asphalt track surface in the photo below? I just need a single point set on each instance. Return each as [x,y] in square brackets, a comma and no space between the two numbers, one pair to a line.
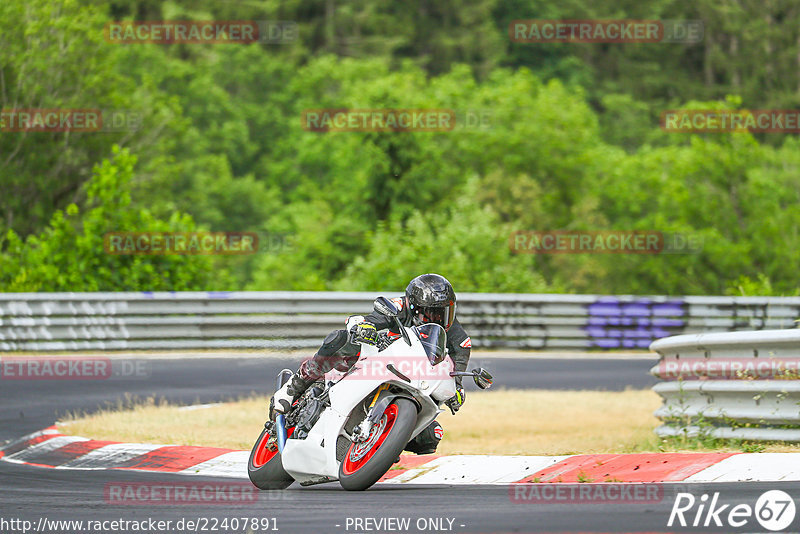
[33,494]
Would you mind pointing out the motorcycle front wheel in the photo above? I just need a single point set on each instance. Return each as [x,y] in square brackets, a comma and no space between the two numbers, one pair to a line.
[366,462]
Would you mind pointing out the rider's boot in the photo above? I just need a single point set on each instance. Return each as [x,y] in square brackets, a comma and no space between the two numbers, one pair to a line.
[284,397]
[329,355]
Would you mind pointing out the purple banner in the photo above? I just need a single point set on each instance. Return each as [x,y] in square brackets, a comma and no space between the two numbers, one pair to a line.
[614,323]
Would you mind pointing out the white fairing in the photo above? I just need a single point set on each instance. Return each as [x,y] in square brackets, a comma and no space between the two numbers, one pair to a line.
[309,459]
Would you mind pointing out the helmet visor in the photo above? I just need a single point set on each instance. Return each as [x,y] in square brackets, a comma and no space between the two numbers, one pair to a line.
[441,315]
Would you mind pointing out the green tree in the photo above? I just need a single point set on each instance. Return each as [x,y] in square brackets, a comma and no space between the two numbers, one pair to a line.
[70,256]
[462,242]
[53,56]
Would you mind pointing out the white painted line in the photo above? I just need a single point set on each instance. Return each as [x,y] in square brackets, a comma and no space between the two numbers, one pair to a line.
[754,467]
[176,354]
[561,355]
[231,464]
[300,354]
[199,407]
[31,453]
[46,431]
[476,469]
[109,456]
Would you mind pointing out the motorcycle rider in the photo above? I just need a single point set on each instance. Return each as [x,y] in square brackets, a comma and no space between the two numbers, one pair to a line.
[429,298]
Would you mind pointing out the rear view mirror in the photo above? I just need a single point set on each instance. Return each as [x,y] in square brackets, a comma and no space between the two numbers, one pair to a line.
[483,379]
[385,307]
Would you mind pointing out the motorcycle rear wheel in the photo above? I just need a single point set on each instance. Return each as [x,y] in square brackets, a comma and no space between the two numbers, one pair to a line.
[264,466]
[366,462]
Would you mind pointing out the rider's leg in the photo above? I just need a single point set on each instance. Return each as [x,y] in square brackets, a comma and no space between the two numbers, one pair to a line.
[426,441]
[332,354]
[335,352]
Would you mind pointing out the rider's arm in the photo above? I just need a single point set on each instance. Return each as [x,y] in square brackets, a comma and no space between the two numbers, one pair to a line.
[381,322]
[459,346]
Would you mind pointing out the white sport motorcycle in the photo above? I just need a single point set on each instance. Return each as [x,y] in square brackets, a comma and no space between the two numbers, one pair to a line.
[352,426]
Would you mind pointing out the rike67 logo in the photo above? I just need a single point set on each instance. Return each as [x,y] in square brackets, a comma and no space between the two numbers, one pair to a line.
[774,510]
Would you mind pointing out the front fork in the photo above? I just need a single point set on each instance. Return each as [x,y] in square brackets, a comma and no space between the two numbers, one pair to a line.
[362,430]
[280,424]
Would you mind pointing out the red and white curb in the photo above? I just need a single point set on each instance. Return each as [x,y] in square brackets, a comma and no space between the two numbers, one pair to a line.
[49,448]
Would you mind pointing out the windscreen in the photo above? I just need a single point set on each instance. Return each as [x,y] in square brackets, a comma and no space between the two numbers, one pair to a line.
[434,340]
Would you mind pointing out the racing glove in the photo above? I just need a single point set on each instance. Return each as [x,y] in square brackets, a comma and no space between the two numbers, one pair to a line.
[456,401]
[364,333]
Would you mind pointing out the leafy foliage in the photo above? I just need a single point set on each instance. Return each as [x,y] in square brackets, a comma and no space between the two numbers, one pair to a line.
[69,254]
[572,142]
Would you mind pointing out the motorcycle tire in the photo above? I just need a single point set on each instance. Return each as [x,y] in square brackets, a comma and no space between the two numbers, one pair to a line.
[365,463]
[264,466]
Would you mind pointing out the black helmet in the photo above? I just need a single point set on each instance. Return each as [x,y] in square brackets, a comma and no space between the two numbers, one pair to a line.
[430,299]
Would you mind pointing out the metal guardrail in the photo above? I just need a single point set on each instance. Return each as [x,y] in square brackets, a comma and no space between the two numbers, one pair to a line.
[283,319]
[741,385]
